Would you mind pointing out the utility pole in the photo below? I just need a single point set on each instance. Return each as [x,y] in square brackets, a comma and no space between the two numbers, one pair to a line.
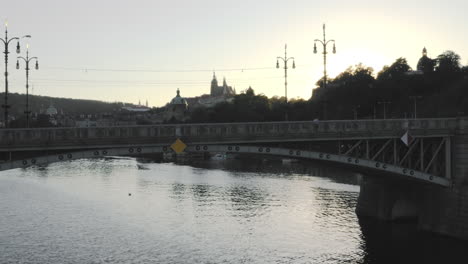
[355,110]
[384,103]
[415,98]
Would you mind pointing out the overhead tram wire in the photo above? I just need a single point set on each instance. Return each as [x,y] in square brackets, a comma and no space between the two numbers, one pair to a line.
[182,83]
[84,69]
[148,82]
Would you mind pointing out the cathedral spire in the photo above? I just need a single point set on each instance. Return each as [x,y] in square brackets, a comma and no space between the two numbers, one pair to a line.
[424,52]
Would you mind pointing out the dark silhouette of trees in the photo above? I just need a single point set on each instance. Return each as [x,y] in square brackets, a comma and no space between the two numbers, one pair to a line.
[444,92]
[394,71]
[426,65]
[448,62]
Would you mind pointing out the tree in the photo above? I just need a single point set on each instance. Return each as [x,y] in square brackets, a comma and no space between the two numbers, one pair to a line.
[396,70]
[465,70]
[426,64]
[363,73]
[448,62]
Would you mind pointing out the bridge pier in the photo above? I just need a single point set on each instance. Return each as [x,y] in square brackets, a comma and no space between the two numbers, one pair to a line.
[438,209]
[388,199]
[445,210]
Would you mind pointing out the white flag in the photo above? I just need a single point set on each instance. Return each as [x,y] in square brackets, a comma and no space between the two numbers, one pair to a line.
[407,138]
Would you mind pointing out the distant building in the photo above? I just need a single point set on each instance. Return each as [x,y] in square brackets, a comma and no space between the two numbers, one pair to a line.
[223,90]
[52,113]
[425,64]
[86,123]
[210,101]
[218,94]
[177,109]
[138,108]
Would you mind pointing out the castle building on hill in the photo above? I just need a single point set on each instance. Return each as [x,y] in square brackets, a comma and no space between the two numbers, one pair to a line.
[223,90]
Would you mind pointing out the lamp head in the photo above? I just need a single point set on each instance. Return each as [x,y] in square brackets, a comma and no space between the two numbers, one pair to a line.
[18,49]
[17,64]
[315,47]
[277,64]
[294,65]
[334,48]
[37,65]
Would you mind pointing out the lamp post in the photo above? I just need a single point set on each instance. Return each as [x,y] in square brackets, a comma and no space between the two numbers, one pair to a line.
[285,61]
[27,60]
[384,103]
[415,98]
[6,43]
[324,43]
[355,110]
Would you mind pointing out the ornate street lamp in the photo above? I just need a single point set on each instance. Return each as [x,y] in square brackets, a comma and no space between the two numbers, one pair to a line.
[27,60]
[6,43]
[324,43]
[285,61]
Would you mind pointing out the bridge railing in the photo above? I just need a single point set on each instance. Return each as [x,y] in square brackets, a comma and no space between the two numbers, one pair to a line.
[222,132]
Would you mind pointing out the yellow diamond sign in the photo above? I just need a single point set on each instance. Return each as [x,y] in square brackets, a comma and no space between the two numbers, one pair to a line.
[178,146]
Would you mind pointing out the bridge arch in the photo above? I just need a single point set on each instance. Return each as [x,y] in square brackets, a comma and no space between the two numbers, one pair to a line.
[359,163]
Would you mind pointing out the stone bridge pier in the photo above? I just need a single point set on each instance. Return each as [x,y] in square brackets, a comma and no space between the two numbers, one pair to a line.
[439,210]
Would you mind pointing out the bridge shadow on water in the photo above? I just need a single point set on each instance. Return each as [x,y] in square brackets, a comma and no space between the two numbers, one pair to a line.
[402,242]
[267,166]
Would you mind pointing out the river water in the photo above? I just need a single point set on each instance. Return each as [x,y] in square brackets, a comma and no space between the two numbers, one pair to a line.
[126,210]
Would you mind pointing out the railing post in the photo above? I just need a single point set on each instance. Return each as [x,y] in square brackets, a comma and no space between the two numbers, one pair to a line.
[367,149]
[448,158]
[422,154]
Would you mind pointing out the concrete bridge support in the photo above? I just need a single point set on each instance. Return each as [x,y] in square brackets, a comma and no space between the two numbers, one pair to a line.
[440,210]
[388,199]
[445,210]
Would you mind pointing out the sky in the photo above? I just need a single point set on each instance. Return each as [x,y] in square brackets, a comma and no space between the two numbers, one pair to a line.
[131,51]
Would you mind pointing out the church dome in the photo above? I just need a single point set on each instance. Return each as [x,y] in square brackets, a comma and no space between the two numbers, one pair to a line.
[178,100]
[425,63]
[51,111]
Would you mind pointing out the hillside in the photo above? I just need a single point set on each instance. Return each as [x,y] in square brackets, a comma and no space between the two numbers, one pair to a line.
[67,105]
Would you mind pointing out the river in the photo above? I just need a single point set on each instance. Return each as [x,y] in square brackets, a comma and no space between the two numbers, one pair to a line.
[127,210]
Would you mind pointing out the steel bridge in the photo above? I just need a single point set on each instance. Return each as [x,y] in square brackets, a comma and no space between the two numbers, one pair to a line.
[368,145]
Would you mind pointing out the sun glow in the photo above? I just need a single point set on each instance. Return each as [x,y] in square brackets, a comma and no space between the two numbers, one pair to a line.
[351,57]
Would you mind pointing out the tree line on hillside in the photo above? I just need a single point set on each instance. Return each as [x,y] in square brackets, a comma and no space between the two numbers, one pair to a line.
[440,88]
[38,104]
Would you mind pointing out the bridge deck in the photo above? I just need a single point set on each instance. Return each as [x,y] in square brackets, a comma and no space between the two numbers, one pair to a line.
[219,133]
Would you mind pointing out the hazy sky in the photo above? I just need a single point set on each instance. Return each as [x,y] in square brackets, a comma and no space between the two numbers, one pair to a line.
[146,49]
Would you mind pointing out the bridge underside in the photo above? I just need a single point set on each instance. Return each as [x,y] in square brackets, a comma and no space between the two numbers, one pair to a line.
[362,155]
